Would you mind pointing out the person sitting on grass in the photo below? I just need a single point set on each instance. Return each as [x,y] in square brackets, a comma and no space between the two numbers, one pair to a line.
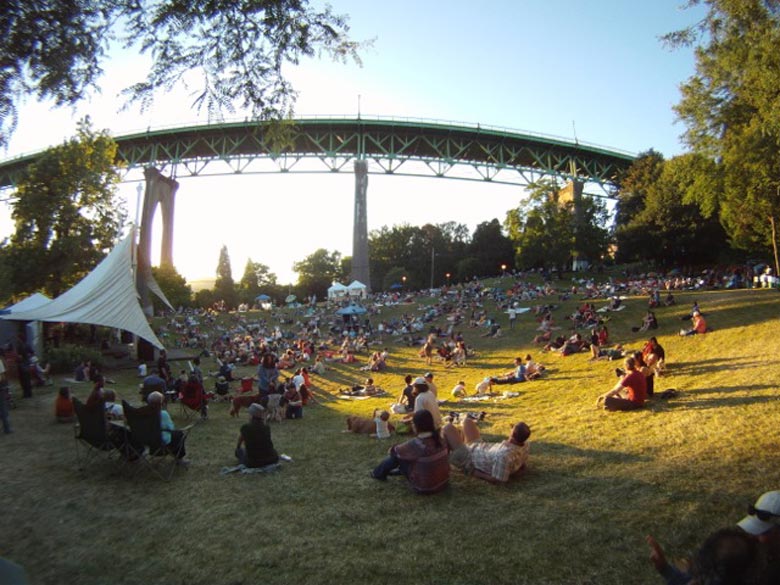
[255,447]
[422,460]
[459,391]
[425,399]
[629,393]
[492,462]
[172,439]
[533,370]
[405,402]
[727,556]
[294,401]
[63,406]
[606,353]
[654,355]
[699,325]
[514,377]
[762,524]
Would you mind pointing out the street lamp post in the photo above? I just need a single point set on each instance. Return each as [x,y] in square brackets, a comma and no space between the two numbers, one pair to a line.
[503,270]
[448,278]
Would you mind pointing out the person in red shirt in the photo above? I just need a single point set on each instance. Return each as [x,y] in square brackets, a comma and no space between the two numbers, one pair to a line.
[629,393]
[699,325]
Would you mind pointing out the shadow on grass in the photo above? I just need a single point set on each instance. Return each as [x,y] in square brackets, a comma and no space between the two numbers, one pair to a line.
[701,403]
[707,366]
[548,448]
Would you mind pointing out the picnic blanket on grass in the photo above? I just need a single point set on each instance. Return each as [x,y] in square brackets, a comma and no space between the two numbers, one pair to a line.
[265,469]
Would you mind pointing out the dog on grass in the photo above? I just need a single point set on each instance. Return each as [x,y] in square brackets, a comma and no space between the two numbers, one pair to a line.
[361,425]
[244,400]
[274,411]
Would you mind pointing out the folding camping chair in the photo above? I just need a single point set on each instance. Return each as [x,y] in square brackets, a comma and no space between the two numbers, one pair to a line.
[91,434]
[192,399]
[146,440]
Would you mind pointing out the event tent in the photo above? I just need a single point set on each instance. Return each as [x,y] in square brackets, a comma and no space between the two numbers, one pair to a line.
[357,289]
[337,291]
[106,296]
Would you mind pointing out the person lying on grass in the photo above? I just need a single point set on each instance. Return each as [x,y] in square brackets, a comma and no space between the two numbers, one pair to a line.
[423,460]
[514,377]
[492,462]
[630,391]
[368,388]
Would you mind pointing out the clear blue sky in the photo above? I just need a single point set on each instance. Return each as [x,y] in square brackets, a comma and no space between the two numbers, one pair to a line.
[547,66]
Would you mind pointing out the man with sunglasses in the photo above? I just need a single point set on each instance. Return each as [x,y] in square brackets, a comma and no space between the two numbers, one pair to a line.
[762,523]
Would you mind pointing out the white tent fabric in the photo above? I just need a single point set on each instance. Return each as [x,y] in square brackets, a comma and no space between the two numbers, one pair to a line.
[357,289]
[106,296]
[32,302]
[337,290]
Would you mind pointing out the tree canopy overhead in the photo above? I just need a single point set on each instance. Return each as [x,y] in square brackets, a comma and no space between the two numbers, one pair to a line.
[731,108]
[236,49]
[66,214]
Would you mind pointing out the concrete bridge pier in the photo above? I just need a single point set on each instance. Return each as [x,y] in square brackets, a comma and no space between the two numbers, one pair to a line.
[360,267]
[160,190]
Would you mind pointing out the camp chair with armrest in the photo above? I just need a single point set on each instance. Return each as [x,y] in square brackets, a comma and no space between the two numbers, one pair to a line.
[146,442]
[91,434]
[192,399]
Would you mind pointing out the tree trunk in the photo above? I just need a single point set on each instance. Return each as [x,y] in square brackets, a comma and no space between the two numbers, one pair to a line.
[774,245]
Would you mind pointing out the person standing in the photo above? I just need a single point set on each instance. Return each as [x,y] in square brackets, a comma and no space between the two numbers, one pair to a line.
[25,352]
[4,395]
[512,317]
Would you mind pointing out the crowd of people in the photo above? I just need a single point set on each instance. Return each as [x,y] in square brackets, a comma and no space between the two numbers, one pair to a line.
[285,354]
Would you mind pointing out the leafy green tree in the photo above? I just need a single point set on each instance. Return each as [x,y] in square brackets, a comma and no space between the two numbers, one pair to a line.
[631,237]
[236,49]
[491,248]
[174,285]
[394,276]
[66,214]
[204,298]
[317,271]
[256,278]
[225,287]
[730,108]
[542,229]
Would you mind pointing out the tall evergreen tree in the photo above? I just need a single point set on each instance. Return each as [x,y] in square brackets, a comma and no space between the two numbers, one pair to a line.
[224,287]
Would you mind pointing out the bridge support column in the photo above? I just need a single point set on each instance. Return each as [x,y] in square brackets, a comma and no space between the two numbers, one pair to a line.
[160,191]
[360,267]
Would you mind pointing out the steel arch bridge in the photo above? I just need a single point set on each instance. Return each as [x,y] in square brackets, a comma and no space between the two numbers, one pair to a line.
[407,147]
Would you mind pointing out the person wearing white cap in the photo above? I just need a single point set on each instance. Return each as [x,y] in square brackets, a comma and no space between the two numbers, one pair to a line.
[256,436]
[426,400]
[763,519]
[699,325]
[762,525]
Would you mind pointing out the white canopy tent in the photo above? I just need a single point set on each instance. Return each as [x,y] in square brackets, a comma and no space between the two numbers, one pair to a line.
[337,291]
[357,289]
[106,296]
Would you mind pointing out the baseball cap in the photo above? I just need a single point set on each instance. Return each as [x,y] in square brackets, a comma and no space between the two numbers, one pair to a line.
[763,515]
[256,410]
[420,382]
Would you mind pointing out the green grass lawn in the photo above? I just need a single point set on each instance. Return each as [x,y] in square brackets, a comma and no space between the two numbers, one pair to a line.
[597,482]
